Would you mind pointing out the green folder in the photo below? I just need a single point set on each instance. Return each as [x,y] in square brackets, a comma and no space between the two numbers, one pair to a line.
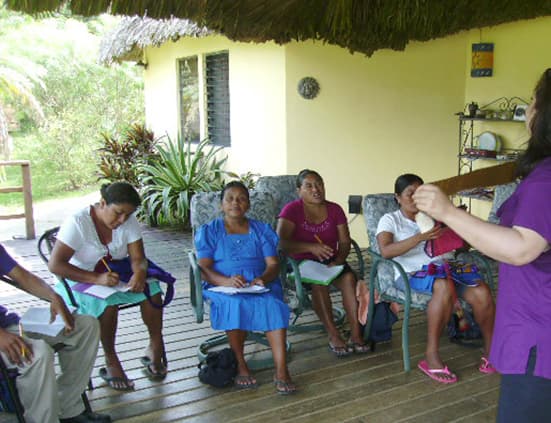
[317,273]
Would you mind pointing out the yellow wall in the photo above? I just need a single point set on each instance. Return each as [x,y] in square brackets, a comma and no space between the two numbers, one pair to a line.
[257,101]
[375,118]
[521,54]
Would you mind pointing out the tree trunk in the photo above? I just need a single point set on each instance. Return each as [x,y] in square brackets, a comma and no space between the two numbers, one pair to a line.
[5,144]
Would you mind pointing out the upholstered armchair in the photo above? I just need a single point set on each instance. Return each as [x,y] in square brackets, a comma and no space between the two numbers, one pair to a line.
[382,270]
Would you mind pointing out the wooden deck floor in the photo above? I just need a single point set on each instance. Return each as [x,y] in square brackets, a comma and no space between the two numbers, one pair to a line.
[359,388]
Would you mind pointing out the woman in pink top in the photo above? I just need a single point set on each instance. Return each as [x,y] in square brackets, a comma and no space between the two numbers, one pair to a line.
[316,229]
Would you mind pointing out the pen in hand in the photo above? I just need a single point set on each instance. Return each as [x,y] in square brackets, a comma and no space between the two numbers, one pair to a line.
[106,265]
[23,350]
[317,238]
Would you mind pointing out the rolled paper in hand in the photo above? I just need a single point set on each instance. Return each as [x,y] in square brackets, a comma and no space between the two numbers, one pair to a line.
[424,221]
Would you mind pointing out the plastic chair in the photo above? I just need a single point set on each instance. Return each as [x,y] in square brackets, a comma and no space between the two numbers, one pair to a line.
[7,376]
[205,207]
[382,271]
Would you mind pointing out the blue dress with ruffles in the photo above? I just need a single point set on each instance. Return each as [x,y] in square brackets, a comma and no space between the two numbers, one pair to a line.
[242,254]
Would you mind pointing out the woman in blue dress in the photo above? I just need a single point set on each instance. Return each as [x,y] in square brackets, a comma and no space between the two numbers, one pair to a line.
[235,251]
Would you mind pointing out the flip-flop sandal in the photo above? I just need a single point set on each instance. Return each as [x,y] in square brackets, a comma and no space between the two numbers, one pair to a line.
[284,388]
[359,348]
[340,351]
[150,371]
[113,380]
[486,367]
[435,374]
[245,382]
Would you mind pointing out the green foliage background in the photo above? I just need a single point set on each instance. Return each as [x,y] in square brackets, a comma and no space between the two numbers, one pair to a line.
[80,98]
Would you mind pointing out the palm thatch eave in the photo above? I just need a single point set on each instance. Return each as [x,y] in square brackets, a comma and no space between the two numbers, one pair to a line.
[133,34]
[357,25]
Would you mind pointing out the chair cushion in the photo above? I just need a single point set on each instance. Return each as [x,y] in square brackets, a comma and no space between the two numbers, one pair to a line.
[205,206]
[501,193]
[282,187]
[374,207]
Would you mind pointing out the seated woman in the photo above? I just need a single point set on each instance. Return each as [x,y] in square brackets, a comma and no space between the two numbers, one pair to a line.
[235,251]
[316,229]
[399,238]
[104,231]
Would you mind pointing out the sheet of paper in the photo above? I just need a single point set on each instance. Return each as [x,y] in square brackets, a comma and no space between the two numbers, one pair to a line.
[37,320]
[100,291]
[314,272]
[255,289]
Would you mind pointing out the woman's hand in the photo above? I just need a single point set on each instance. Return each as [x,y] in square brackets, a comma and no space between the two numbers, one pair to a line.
[258,281]
[136,283]
[237,281]
[321,251]
[107,279]
[434,233]
[431,200]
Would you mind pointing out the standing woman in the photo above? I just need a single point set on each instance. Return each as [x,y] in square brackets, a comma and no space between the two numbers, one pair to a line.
[235,251]
[316,229]
[521,345]
[98,233]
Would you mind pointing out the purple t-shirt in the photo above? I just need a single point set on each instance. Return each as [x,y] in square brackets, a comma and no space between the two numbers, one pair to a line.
[305,231]
[6,266]
[523,316]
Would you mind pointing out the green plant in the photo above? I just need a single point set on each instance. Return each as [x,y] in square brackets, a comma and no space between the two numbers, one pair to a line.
[180,170]
[120,157]
[248,179]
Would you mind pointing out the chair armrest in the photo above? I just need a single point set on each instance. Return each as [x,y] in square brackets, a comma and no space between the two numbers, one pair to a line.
[195,287]
[376,261]
[361,264]
[302,298]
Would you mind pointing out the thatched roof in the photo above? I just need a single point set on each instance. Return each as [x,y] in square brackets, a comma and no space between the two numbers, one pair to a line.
[132,34]
[358,25]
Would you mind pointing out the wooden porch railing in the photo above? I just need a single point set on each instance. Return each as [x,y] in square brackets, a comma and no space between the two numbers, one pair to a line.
[27,195]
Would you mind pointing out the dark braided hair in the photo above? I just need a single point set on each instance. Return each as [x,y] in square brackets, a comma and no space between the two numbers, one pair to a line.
[234,184]
[304,173]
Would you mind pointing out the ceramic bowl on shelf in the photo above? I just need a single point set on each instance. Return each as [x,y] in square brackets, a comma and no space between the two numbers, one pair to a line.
[489,141]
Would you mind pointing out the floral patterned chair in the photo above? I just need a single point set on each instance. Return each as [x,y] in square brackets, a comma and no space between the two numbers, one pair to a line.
[282,187]
[382,270]
[204,207]
[501,193]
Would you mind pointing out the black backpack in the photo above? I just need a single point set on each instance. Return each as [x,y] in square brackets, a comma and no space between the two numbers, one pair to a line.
[219,368]
[383,319]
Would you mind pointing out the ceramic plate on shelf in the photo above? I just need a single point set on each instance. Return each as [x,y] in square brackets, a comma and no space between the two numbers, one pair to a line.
[489,141]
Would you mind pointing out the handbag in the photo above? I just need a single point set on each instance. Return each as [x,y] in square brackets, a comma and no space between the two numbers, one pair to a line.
[219,368]
[446,242]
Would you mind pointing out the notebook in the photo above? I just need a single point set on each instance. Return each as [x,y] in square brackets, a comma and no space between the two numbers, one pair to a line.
[230,290]
[37,320]
[318,273]
[100,291]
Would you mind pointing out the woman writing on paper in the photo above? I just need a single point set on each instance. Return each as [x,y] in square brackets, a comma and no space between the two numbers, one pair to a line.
[521,346]
[85,243]
[399,238]
[235,251]
[312,228]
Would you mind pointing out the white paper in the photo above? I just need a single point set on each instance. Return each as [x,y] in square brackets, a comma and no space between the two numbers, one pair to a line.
[102,291]
[314,272]
[37,320]
[255,289]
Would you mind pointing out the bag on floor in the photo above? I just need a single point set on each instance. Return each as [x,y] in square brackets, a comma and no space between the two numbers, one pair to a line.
[219,368]
[383,319]
[463,329]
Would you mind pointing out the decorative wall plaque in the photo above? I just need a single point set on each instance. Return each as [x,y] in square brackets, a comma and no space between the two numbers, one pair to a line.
[308,88]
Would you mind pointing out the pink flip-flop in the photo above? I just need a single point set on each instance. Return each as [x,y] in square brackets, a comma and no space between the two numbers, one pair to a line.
[434,374]
[486,367]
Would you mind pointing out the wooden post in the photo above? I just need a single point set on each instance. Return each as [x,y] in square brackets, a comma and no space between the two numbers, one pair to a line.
[26,189]
[28,199]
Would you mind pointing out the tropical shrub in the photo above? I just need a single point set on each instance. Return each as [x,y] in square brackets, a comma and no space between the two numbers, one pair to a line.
[180,170]
[120,157]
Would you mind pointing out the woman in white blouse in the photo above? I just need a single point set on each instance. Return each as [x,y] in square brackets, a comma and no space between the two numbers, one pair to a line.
[85,243]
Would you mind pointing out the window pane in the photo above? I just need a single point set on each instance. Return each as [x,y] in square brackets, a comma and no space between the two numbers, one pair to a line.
[189,98]
[218,98]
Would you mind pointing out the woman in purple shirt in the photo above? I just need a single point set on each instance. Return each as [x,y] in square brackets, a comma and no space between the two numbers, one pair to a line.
[316,229]
[521,345]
